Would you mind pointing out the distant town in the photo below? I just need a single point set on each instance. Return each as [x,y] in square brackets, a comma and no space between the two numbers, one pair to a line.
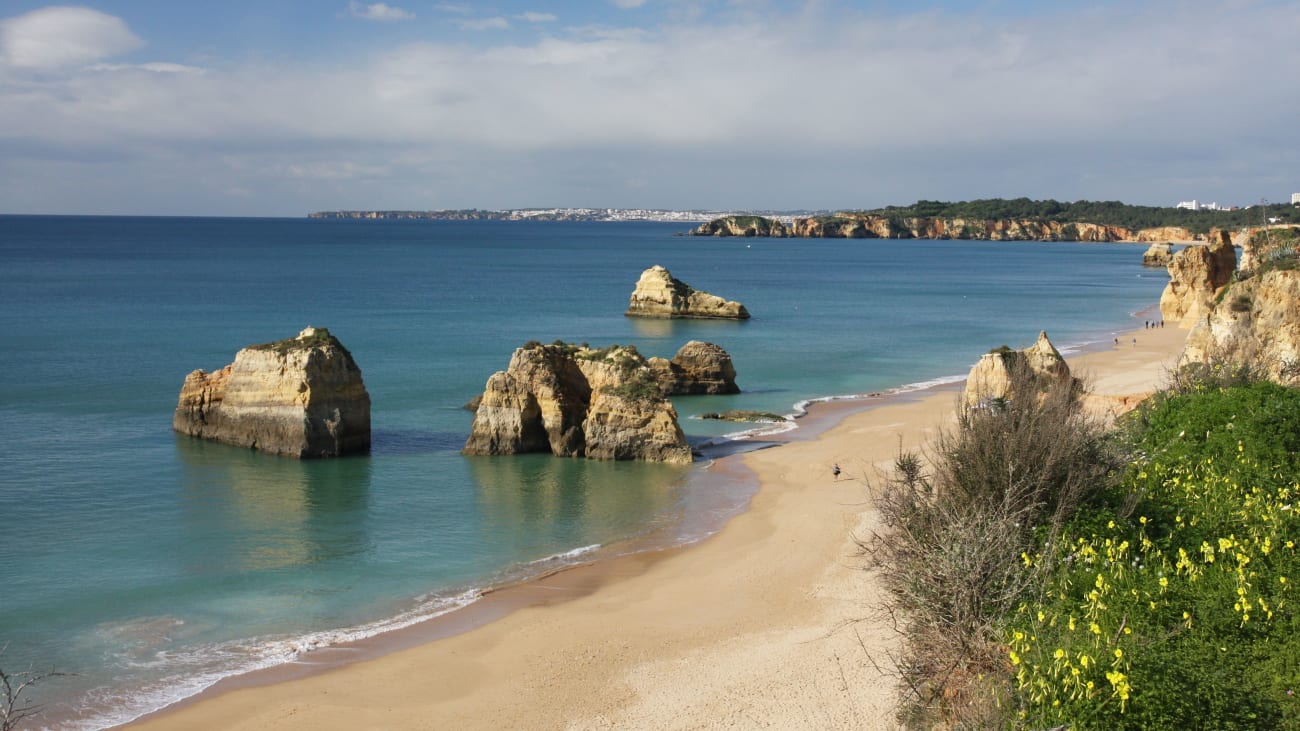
[652,214]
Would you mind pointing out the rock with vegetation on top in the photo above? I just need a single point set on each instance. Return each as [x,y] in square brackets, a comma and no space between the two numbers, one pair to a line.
[302,397]
[658,294]
[1158,255]
[698,368]
[1196,275]
[742,226]
[745,415]
[991,377]
[575,401]
[1255,324]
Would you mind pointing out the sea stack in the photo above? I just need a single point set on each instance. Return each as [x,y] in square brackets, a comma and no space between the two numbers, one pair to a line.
[1158,255]
[698,368]
[302,397]
[658,294]
[992,376]
[576,401]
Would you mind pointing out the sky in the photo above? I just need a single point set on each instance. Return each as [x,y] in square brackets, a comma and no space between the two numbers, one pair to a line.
[284,107]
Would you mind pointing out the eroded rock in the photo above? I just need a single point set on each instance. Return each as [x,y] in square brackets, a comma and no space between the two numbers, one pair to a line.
[1196,274]
[658,294]
[697,368]
[993,375]
[302,397]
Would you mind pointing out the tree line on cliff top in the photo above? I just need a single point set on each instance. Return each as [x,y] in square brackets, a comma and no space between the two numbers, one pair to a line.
[1109,213]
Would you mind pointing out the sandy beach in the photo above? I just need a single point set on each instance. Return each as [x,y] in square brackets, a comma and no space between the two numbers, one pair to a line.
[771,623]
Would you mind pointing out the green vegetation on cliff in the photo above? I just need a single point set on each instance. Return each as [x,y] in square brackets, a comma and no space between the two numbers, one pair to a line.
[1055,576]
[1108,213]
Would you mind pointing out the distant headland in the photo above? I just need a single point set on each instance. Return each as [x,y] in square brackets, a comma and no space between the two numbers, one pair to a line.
[556,214]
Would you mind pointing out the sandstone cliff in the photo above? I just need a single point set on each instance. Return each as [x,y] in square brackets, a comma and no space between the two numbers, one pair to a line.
[742,226]
[875,226]
[992,375]
[697,368]
[577,402]
[658,294]
[1256,323]
[1158,255]
[1196,274]
[301,397]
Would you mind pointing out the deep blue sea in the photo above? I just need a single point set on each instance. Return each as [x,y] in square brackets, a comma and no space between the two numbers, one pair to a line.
[152,564]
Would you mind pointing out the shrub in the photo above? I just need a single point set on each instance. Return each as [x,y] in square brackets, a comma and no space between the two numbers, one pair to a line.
[953,540]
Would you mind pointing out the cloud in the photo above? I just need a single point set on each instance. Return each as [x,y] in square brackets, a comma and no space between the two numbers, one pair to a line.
[157,67]
[823,108]
[628,4]
[493,23]
[61,37]
[534,17]
[382,12]
[454,8]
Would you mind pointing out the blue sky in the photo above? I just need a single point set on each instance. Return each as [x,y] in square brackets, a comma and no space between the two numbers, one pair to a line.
[281,108]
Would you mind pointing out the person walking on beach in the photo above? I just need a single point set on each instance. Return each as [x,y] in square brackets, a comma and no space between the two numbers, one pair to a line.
[835,470]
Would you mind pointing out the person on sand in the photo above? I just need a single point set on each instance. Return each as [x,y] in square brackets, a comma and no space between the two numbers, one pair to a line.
[835,470]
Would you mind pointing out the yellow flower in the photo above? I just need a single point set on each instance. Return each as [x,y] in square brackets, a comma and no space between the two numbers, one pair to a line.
[1059,653]
[1118,653]
[1015,659]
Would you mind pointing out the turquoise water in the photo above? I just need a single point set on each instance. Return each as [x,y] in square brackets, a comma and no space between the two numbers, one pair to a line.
[152,564]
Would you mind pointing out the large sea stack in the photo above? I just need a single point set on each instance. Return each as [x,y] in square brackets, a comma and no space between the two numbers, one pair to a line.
[658,294]
[302,397]
[576,401]
[994,374]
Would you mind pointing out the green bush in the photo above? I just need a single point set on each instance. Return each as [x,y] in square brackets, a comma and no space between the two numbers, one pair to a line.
[1169,602]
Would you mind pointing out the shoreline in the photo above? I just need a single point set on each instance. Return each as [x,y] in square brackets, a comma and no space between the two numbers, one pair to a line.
[802,594]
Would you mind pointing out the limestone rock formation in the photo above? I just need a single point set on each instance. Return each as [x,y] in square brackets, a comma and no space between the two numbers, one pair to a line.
[742,226]
[1256,323]
[745,415]
[1158,255]
[302,397]
[1166,233]
[698,368]
[658,294]
[856,225]
[1196,273]
[577,402]
[992,375]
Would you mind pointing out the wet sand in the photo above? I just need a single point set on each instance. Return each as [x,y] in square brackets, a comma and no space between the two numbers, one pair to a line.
[770,623]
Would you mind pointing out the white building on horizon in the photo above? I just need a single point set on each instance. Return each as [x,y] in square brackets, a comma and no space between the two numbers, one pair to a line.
[1195,205]
[1295,199]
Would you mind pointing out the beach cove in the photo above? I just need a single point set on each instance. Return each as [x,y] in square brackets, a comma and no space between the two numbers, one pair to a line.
[770,623]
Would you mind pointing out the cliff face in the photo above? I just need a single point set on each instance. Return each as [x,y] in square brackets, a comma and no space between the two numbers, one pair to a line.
[1256,323]
[1167,233]
[742,226]
[1196,273]
[992,375]
[302,397]
[697,368]
[875,226]
[577,402]
[658,294]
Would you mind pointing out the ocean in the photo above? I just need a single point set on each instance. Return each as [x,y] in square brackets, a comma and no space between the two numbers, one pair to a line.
[151,564]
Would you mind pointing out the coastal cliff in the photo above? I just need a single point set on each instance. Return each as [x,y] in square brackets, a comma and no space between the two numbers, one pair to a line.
[1196,275]
[697,368]
[576,401]
[302,397]
[1158,255]
[658,294]
[861,225]
[743,226]
[1255,324]
[993,375]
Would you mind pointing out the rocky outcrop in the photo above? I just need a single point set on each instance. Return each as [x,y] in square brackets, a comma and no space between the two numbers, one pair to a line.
[745,415]
[1196,274]
[1166,233]
[658,294]
[1158,255]
[698,368]
[574,401]
[302,397]
[743,226]
[993,375]
[851,225]
[1255,323]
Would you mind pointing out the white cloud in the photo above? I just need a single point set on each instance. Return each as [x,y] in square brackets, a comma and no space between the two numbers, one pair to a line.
[157,67]
[822,109]
[60,37]
[628,4]
[535,17]
[493,23]
[454,9]
[382,12]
